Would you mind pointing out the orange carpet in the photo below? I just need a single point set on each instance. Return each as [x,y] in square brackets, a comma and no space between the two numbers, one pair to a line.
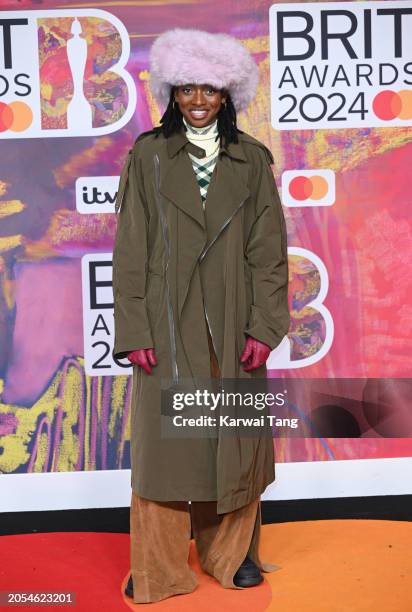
[330,566]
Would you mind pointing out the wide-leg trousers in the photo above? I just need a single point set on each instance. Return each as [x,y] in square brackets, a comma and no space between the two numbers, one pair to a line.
[160,541]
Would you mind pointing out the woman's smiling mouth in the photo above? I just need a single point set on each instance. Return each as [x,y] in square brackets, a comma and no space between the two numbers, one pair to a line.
[198,114]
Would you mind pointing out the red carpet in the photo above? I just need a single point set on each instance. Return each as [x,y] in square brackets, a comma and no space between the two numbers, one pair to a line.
[326,566]
[92,565]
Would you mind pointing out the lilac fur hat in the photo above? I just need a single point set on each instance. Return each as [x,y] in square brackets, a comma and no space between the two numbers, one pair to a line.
[181,56]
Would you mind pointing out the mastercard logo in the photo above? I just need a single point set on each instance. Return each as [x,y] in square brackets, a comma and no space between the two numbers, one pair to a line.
[314,187]
[16,116]
[308,187]
[388,105]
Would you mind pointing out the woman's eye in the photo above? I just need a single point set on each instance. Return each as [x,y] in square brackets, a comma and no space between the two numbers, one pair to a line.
[209,91]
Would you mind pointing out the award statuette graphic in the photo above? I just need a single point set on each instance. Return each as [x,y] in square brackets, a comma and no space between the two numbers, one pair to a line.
[64,74]
[79,112]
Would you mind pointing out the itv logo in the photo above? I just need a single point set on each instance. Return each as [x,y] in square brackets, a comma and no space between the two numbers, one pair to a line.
[96,194]
[62,73]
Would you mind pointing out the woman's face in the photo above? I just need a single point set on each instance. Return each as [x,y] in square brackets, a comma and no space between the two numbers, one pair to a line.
[199,104]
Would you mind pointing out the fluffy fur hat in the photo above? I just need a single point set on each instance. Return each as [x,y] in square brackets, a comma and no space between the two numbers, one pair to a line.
[181,56]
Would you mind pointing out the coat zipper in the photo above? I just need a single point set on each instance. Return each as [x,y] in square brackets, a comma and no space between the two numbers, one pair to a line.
[123,180]
[210,329]
[201,256]
[175,371]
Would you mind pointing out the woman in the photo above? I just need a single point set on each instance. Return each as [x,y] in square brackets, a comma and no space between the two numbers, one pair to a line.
[200,280]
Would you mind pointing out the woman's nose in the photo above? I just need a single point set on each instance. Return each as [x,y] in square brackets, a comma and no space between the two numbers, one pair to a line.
[199,97]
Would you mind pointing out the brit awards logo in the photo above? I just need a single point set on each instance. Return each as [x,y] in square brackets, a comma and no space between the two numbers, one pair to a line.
[341,65]
[62,73]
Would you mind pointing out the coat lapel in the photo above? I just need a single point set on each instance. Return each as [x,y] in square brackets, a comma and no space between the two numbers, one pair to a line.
[226,194]
[179,184]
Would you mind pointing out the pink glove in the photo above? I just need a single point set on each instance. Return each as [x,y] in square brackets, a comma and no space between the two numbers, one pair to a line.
[144,358]
[255,354]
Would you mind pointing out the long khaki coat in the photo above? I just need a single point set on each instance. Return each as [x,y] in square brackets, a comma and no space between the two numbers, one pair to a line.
[173,262]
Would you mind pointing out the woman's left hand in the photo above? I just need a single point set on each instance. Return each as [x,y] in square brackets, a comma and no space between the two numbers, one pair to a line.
[255,354]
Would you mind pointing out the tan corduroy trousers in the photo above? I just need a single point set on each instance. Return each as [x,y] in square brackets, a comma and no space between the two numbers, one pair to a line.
[160,541]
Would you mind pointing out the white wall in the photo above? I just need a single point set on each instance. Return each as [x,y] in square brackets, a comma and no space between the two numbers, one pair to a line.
[300,480]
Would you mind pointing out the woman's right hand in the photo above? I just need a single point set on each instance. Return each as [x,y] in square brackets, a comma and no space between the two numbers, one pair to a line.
[145,358]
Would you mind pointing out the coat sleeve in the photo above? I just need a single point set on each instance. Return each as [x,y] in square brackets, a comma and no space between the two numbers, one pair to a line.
[266,254]
[131,323]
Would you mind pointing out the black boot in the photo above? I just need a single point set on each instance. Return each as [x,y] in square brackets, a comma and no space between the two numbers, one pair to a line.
[129,587]
[248,574]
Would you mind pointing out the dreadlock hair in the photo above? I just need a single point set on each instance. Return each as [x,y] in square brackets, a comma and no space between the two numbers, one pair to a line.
[172,120]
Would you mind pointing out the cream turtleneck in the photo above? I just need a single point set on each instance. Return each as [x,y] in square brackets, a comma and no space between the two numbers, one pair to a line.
[204,137]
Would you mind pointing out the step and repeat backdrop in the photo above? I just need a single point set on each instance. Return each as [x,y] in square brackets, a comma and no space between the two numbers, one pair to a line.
[334,105]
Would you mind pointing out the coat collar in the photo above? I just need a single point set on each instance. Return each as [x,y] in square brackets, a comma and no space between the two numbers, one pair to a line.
[178,140]
[227,189]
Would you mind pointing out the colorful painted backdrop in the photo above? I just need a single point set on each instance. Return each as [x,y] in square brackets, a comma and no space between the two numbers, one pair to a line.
[55,417]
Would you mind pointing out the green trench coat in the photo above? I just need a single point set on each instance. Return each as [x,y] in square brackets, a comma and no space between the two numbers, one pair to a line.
[172,263]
